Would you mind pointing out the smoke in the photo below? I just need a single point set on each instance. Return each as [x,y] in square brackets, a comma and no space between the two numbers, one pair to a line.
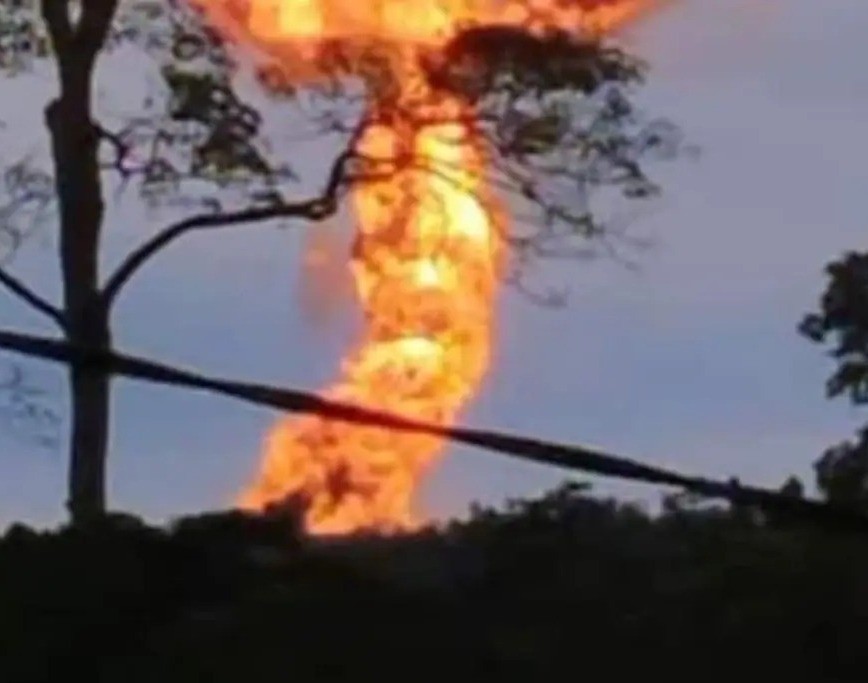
[325,288]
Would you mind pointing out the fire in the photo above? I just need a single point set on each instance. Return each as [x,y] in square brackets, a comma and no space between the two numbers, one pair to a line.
[425,264]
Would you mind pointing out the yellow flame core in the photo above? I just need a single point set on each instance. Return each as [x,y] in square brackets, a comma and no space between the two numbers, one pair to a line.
[425,267]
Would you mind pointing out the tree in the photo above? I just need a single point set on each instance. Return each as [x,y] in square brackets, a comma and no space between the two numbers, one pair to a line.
[842,324]
[553,113]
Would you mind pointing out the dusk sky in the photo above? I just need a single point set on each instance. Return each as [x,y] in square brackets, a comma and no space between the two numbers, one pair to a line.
[693,361]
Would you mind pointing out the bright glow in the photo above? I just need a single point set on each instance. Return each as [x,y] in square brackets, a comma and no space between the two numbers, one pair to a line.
[426,268]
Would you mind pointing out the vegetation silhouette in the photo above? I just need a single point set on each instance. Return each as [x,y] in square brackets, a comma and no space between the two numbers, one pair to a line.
[530,590]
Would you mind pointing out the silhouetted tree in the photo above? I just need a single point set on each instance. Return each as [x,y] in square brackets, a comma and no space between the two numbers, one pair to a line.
[553,114]
[842,324]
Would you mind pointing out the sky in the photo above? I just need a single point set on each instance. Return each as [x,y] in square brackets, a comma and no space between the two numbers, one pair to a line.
[691,361]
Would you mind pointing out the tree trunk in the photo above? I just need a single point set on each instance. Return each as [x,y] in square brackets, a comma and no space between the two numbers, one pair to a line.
[89,405]
[75,141]
[86,319]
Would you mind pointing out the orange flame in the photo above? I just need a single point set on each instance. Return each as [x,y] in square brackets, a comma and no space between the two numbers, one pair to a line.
[426,260]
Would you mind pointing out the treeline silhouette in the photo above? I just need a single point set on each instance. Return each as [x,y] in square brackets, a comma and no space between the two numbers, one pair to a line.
[566,584]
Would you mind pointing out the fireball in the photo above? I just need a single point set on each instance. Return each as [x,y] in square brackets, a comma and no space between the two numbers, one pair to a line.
[428,248]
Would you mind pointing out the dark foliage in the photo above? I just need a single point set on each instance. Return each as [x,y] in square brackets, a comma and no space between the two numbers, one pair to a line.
[486,59]
[842,324]
[566,583]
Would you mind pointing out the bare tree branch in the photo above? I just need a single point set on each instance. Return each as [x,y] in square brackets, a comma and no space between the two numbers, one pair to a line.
[55,14]
[572,457]
[78,44]
[93,28]
[315,209]
[27,295]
